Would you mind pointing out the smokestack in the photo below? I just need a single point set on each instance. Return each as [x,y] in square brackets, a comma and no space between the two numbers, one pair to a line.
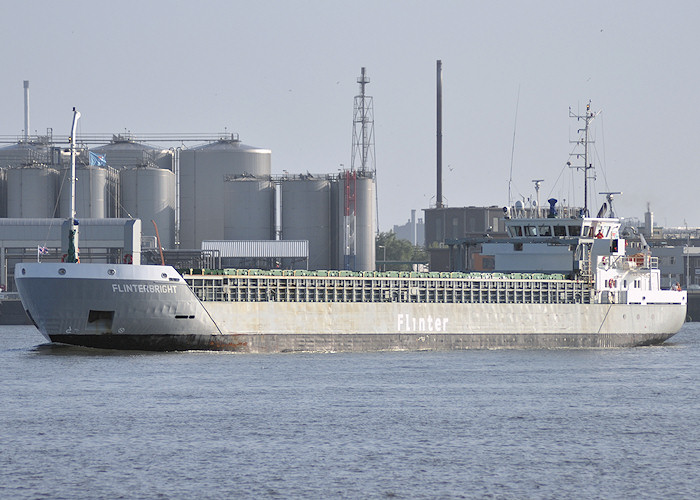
[438,201]
[414,235]
[649,222]
[26,110]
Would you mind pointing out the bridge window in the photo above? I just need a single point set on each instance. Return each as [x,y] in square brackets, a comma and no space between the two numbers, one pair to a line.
[545,230]
[515,231]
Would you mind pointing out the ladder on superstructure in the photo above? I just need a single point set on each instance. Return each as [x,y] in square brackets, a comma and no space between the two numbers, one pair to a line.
[586,265]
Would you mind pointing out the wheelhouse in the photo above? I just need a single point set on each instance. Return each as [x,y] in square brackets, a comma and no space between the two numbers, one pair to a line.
[563,228]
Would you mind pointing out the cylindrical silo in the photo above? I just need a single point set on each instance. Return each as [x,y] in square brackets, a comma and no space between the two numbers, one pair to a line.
[23,153]
[306,215]
[92,196]
[365,223]
[31,192]
[149,194]
[356,218]
[202,173]
[249,209]
[3,193]
[123,152]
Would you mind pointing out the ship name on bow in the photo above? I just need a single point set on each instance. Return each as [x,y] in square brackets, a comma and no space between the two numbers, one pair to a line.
[142,288]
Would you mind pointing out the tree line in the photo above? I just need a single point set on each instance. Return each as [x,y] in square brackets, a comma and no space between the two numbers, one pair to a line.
[398,250]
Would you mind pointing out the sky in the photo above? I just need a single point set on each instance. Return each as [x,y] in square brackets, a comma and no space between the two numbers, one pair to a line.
[283,75]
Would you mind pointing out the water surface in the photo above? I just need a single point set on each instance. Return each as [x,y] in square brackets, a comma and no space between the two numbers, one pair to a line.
[601,423]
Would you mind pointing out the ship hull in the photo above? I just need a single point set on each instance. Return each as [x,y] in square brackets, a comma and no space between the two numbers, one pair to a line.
[356,342]
[152,308]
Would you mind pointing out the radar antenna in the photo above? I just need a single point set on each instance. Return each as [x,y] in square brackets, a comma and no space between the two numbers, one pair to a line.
[609,195]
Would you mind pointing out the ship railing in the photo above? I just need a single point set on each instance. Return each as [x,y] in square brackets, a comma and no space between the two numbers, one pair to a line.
[638,261]
[266,288]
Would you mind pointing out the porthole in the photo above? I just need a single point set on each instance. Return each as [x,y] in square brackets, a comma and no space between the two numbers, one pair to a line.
[24,271]
[111,272]
[163,275]
[61,271]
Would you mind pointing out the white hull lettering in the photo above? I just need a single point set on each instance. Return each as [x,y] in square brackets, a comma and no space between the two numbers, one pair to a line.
[408,323]
[151,288]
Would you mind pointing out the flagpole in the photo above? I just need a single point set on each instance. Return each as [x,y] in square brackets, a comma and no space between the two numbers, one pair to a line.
[72,222]
[37,253]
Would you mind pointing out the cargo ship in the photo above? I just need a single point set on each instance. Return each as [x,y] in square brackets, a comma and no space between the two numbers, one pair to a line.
[613,300]
[558,281]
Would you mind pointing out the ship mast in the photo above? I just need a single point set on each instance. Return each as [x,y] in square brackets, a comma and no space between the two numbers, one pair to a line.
[588,117]
[72,221]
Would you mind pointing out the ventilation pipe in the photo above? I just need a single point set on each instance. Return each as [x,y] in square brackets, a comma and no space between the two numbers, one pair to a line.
[26,110]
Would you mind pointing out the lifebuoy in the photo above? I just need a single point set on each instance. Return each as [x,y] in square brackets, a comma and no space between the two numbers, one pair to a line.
[128,259]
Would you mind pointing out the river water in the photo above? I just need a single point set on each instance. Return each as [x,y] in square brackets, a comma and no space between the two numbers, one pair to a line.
[604,423]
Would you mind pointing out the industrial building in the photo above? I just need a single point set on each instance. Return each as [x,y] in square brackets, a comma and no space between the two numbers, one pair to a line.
[215,190]
[413,230]
[224,190]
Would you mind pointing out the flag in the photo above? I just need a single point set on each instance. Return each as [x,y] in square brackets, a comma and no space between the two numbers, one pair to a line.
[43,250]
[98,160]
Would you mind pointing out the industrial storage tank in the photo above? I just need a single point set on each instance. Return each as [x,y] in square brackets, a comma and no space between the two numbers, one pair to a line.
[25,152]
[149,194]
[203,170]
[306,215]
[365,223]
[3,193]
[31,192]
[94,192]
[249,209]
[123,152]
[356,193]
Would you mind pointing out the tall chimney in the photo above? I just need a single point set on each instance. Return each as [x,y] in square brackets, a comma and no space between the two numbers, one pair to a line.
[26,110]
[438,201]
